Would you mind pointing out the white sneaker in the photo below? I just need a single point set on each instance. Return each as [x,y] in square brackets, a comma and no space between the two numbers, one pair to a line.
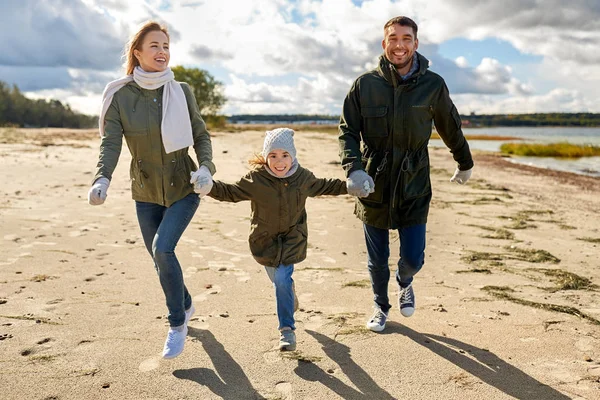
[377,321]
[189,313]
[175,342]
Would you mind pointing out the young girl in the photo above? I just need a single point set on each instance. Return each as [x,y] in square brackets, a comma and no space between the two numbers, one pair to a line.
[277,189]
[159,119]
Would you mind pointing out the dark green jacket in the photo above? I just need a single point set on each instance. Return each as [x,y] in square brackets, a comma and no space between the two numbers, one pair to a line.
[393,120]
[156,177]
[278,230]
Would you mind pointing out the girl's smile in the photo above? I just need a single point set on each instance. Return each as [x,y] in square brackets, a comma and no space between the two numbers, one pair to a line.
[279,162]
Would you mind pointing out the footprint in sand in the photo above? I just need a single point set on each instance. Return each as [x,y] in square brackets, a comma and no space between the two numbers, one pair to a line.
[216,289]
[314,322]
[235,236]
[221,265]
[272,356]
[30,245]
[243,276]
[329,259]
[150,364]
[189,271]
[285,388]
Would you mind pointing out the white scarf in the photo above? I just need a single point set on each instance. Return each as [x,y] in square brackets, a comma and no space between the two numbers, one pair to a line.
[176,127]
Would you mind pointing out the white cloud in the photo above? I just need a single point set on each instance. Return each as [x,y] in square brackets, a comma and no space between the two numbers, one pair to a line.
[301,57]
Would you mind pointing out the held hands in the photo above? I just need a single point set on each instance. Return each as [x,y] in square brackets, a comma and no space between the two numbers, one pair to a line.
[202,181]
[461,176]
[97,193]
[360,184]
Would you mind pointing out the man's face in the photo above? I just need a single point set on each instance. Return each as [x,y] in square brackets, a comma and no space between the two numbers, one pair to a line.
[399,45]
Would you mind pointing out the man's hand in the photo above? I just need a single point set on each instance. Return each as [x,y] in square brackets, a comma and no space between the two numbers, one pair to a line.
[461,176]
[202,181]
[360,184]
[97,193]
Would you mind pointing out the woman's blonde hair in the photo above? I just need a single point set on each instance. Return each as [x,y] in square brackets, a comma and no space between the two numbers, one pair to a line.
[135,43]
[257,161]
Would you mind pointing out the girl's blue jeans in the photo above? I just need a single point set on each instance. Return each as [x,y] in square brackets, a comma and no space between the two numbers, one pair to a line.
[412,257]
[284,294]
[162,228]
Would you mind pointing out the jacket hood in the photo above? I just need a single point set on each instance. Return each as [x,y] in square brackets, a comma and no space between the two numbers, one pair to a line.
[389,73]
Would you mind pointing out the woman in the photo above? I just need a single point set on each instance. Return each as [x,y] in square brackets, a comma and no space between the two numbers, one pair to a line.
[159,119]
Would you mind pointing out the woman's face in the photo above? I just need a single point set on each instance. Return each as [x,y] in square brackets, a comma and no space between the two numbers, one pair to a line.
[154,53]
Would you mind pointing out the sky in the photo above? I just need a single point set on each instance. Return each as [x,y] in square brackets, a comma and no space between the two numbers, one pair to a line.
[301,56]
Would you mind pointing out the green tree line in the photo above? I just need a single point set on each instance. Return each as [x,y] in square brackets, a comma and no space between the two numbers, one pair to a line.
[18,110]
[539,119]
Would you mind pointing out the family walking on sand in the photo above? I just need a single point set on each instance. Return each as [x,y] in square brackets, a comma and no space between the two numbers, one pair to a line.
[384,131]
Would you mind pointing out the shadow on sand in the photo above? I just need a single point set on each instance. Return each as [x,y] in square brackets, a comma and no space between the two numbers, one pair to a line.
[340,353]
[231,381]
[482,364]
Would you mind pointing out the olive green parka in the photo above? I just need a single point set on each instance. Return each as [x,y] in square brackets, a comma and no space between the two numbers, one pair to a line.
[156,177]
[278,228]
[384,129]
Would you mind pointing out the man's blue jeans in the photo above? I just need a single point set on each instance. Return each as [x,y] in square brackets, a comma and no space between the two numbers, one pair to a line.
[162,228]
[412,257]
[284,294]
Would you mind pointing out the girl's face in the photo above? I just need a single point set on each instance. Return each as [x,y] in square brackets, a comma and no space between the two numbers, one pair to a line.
[154,55]
[279,162]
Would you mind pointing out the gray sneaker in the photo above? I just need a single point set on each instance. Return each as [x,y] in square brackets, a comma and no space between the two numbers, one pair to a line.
[377,321]
[406,300]
[287,340]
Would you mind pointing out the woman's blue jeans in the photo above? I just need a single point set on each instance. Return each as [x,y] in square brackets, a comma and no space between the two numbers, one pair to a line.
[284,294]
[162,228]
[412,257]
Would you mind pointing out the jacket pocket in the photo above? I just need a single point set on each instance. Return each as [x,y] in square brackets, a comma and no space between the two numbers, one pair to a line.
[377,168]
[375,121]
[416,178]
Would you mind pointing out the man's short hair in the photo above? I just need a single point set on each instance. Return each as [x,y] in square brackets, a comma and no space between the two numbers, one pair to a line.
[402,21]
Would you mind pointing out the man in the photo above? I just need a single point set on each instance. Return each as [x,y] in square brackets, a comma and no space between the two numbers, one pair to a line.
[384,129]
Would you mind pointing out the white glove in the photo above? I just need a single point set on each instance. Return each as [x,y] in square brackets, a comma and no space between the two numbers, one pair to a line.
[461,176]
[202,181]
[97,193]
[360,184]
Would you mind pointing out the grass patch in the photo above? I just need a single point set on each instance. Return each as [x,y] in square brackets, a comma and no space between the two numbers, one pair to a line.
[31,318]
[522,219]
[532,255]
[483,185]
[476,256]
[498,233]
[365,283]
[354,330]
[438,171]
[338,269]
[566,280]
[475,271]
[589,239]
[297,355]
[44,358]
[435,135]
[40,278]
[481,200]
[562,150]
[567,227]
[341,319]
[502,292]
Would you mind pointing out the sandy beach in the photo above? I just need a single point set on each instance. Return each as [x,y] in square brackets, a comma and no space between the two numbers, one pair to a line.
[508,302]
